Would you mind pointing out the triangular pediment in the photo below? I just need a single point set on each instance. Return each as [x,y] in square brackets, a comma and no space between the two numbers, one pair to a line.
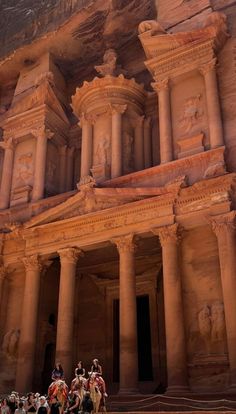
[91,200]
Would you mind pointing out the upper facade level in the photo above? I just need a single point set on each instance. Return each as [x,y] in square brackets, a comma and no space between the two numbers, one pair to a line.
[110,125]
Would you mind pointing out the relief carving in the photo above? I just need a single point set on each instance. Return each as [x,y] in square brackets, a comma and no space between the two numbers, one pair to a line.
[10,343]
[109,66]
[192,113]
[51,169]
[211,322]
[102,151]
[128,143]
[24,169]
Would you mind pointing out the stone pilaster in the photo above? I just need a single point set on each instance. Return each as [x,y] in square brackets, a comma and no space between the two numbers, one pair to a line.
[138,144]
[147,143]
[128,315]
[213,104]
[174,316]
[70,168]
[116,140]
[224,229]
[41,135]
[86,145]
[65,321]
[28,330]
[63,168]
[7,171]
[166,145]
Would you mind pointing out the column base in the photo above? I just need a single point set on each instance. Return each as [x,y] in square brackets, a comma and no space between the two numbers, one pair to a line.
[177,390]
[128,391]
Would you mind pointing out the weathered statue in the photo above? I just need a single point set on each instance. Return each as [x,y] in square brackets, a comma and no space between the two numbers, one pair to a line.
[217,321]
[204,323]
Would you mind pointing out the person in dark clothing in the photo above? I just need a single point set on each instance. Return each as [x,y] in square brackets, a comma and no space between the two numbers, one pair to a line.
[43,408]
[58,372]
[87,404]
[55,406]
[73,402]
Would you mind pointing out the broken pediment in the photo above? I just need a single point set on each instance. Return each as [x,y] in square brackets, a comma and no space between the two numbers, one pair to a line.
[92,199]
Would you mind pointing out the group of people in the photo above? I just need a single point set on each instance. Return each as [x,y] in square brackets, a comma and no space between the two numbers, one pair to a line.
[41,404]
[96,369]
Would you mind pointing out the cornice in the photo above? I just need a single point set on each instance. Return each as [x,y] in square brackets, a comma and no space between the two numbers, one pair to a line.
[100,93]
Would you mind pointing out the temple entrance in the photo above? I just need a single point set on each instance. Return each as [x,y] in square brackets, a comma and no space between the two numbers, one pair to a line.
[145,368]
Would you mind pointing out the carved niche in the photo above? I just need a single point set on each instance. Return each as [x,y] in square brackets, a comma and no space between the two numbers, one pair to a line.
[10,343]
[211,323]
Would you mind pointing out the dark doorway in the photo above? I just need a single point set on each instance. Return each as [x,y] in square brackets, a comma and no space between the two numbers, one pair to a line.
[144,340]
[49,357]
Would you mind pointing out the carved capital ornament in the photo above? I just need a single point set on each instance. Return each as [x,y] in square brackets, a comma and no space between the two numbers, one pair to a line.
[70,255]
[32,263]
[221,225]
[169,234]
[125,243]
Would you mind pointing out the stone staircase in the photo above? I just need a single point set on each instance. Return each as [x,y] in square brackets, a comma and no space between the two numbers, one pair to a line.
[166,403]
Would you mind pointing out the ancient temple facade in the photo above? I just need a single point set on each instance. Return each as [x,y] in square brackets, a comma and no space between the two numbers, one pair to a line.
[117,199]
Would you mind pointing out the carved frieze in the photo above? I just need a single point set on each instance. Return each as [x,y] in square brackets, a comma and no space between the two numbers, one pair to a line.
[211,323]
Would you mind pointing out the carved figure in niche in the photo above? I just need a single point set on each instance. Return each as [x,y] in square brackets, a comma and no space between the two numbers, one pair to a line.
[10,343]
[24,168]
[128,141]
[101,153]
[193,112]
[204,323]
[51,168]
[217,321]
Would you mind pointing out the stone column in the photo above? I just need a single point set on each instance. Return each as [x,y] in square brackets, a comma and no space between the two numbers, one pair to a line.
[147,143]
[86,146]
[165,122]
[65,320]
[224,228]
[116,140]
[138,144]
[213,104]
[174,317]
[7,171]
[128,315]
[70,168]
[40,163]
[28,329]
[62,181]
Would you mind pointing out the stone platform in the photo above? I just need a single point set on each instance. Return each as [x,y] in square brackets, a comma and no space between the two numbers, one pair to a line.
[163,403]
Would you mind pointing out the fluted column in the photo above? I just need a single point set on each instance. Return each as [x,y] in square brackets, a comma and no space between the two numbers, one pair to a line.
[86,146]
[224,228]
[70,168]
[7,172]
[165,124]
[116,141]
[128,315]
[42,136]
[147,143]
[63,169]
[28,329]
[174,317]
[213,104]
[138,144]
[65,320]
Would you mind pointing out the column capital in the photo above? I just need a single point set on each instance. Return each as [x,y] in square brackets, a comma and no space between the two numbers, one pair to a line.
[70,254]
[42,131]
[223,223]
[168,234]
[32,263]
[117,109]
[3,272]
[208,67]
[161,84]
[89,119]
[125,243]
[9,144]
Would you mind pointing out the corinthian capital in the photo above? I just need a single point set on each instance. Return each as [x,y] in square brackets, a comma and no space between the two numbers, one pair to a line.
[117,109]
[168,234]
[208,67]
[32,263]
[125,243]
[223,223]
[70,254]
[9,144]
[161,85]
